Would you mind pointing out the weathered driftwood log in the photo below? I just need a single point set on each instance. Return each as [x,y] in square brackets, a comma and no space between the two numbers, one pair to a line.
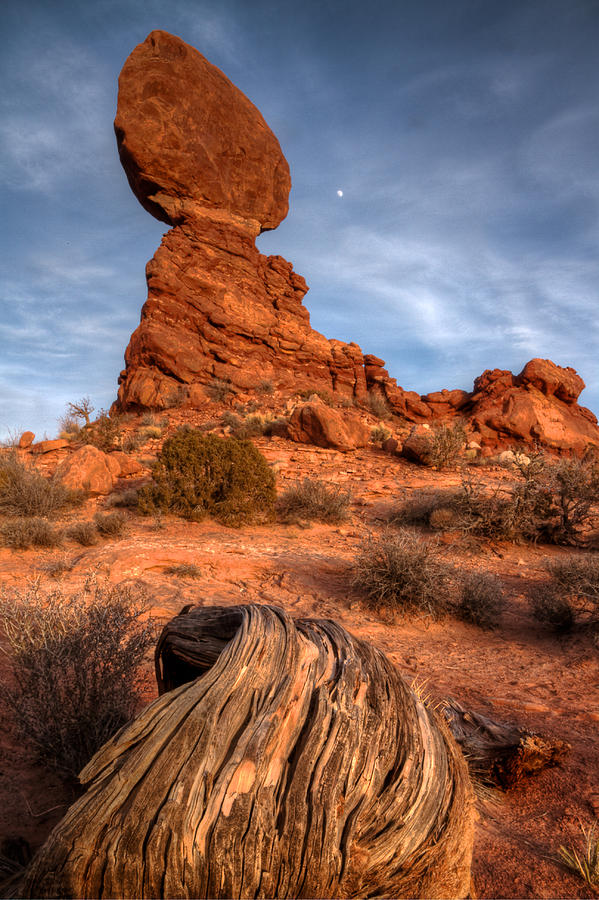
[283,759]
[498,753]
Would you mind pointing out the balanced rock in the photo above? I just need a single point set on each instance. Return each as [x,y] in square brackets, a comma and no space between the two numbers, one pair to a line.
[199,156]
[26,440]
[89,469]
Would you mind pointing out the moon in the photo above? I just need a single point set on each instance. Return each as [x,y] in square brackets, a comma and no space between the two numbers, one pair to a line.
[340,193]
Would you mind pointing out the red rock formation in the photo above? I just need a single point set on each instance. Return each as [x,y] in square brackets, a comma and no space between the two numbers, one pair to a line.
[199,156]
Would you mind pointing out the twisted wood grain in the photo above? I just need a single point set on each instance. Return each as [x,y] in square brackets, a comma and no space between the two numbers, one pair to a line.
[282,759]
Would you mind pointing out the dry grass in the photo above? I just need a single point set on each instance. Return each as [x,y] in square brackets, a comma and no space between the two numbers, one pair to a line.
[184,570]
[20,533]
[84,533]
[586,863]
[218,390]
[75,662]
[111,524]
[24,492]
[313,499]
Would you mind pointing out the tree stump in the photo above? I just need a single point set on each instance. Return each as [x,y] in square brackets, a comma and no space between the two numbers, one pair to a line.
[282,759]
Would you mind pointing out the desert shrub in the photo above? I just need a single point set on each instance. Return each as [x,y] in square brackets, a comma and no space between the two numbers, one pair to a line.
[69,427]
[378,406]
[572,594]
[19,533]
[574,486]
[378,434]
[231,420]
[183,570]
[111,524]
[84,533]
[176,397]
[445,443]
[401,572]
[57,567]
[131,442]
[199,474]
[25,492]
[149,419]
[314,499]
[104,432]
[75,663]
[150,433]
[251,426]
[125,499]
[480,599]
[218,390]
[81,410]
[266,387]
[325,396]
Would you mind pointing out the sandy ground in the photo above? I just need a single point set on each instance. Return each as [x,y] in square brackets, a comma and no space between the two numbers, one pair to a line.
[519,672]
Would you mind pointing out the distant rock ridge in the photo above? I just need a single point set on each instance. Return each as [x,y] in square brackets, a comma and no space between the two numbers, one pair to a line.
[199,156]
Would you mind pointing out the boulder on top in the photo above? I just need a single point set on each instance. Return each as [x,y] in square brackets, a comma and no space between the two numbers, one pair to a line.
[315,423]
[552,380]
[89,469]
[187,137]
[26,440]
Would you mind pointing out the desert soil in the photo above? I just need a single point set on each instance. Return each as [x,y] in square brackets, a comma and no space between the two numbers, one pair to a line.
[519,672]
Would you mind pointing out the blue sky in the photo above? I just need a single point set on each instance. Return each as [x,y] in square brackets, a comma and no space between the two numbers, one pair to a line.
[464,135]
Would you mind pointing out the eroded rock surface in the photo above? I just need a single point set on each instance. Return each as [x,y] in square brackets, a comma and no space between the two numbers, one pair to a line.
[199,156]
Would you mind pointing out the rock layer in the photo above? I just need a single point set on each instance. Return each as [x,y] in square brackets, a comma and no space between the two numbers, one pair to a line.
[199,156]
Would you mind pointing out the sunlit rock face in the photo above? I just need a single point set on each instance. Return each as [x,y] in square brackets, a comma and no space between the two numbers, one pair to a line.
[200,157]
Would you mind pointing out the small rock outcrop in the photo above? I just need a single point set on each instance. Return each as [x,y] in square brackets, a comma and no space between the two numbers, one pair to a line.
[89,469]
[200,157]
[315,423]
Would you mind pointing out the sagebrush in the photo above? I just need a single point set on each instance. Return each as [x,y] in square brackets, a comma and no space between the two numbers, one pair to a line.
[75,663]
[571,597]
[398,571]
[314,499]
[25,492]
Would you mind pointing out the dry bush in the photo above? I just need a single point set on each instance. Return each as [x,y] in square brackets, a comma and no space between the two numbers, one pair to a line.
[103,433]
[84,533]
[218,390]
[112,524]
[199,474]
[25,492]
[149,419]
[251,426]
[314,499]
[176,397]
[445,444]
[150,433]
[378,434]
[19,533]
[572,595]
[480,599]
[266,387]
[574,485]
[401,572]
[325,396]
[75,665]
[184,570]
[378,406]
[56,568]
[125,500]
[420,506]
[82,409]
[131,442]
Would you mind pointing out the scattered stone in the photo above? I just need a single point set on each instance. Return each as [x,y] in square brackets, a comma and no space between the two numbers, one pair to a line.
[48,446]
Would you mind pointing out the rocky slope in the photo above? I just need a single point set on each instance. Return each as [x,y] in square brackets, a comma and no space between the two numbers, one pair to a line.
[199,156]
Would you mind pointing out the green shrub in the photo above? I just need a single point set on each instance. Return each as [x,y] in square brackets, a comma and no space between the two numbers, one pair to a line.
[314,499]
[199,474]
[480,599]
[402,573]
[111,524]
[19,533]
[25,492]
[84,533]
[75,663]
[218,390]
